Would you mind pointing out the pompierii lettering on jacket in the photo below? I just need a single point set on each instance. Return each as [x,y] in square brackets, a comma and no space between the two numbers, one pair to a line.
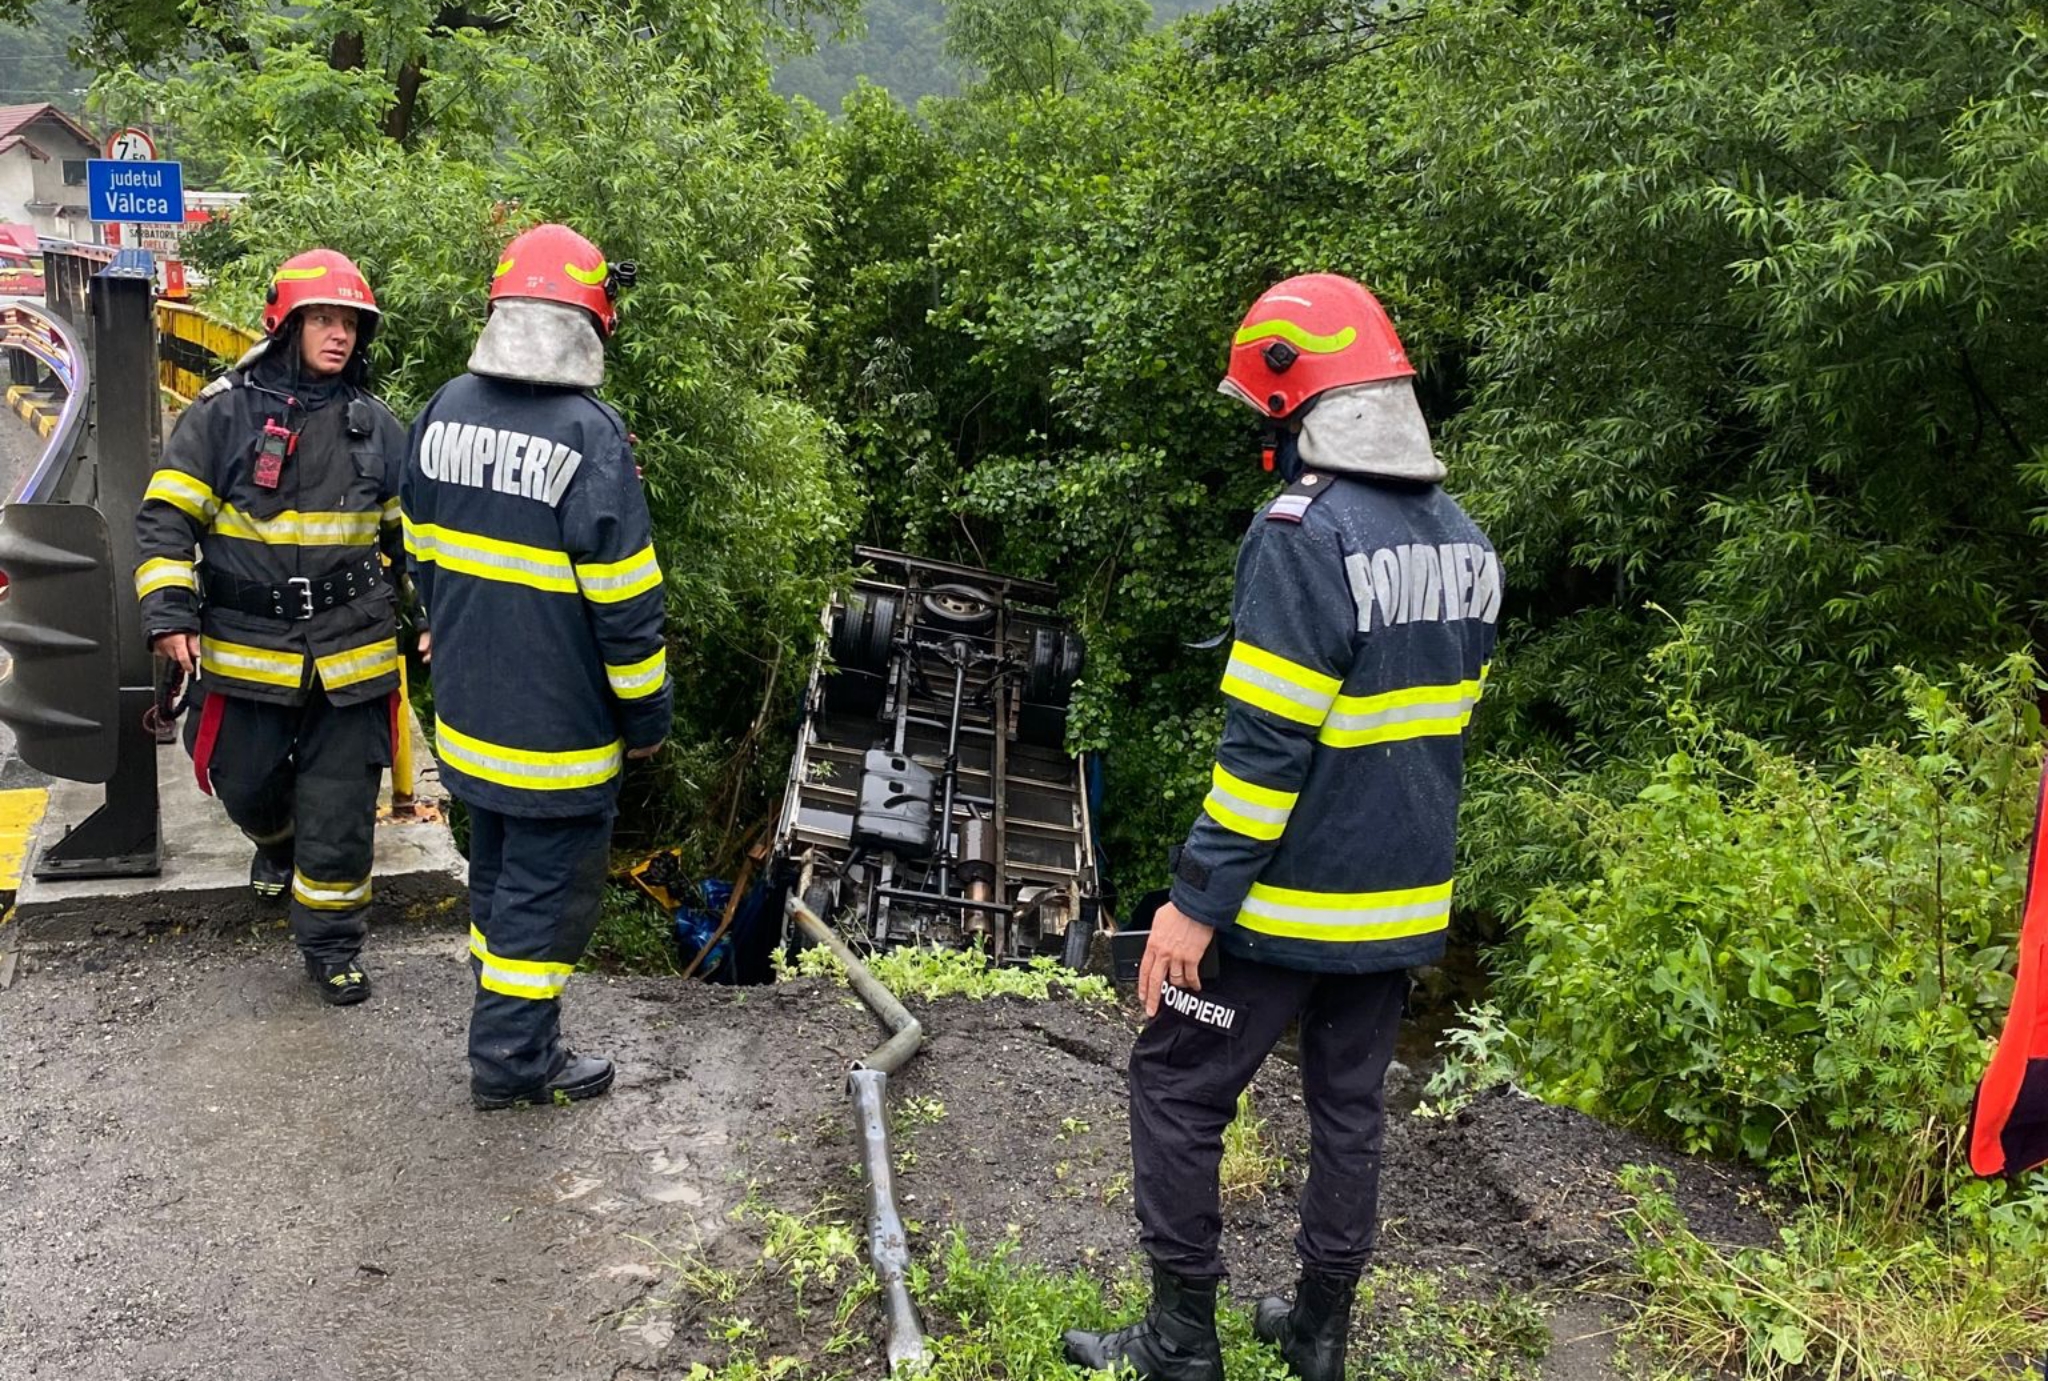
[509,462]
[1431,584]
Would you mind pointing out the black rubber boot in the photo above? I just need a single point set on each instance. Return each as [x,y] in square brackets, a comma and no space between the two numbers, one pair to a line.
[1314,1334]
[581,1077]
[1175,1341]
[341,983]
[270,878]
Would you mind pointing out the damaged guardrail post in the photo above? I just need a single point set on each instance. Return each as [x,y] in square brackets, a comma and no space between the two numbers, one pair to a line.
[867,1082]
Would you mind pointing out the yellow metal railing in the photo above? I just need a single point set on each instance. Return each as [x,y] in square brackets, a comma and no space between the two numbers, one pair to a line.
[192,347]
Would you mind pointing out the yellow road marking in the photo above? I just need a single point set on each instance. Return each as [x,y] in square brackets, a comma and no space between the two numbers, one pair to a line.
[20,812]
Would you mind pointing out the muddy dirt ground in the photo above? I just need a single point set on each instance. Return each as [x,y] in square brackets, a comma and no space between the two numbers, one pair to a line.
[205,1175]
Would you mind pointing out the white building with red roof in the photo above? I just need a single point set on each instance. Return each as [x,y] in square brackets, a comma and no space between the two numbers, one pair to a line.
[42,170]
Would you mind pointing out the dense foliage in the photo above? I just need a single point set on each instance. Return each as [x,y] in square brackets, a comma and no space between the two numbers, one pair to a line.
[1724,315]
[1790,964]
[666,149]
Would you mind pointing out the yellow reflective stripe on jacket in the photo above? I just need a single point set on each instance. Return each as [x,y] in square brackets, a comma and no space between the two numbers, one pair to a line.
[1346,916]
[240,662]
[357,665]
[1271,682]
[487,558]
[612,582]
[534,978]
[188,494]
[526,768]
[1414,712]
[295,529]
[1257,811]
[638,680]
[390,515]
[164,573]
[329,896]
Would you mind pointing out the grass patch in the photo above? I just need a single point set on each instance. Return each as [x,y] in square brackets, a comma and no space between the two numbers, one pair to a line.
[1252,1160]
[909,971]
[1834,1299]
[633,934]
[994,1317]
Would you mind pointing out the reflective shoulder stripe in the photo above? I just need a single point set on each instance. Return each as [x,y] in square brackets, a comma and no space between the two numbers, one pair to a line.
[526,768]
[533,978]
[640,679]
[329,896]
[1393,716]
[187,493]
[340,670]
[487,558]
[1344,917]
[1258,812]
[164,573]
[292,528]
[240,662]
[1272,682]
[612,582]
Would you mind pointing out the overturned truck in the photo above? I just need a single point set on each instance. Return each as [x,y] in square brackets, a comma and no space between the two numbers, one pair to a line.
[931,800]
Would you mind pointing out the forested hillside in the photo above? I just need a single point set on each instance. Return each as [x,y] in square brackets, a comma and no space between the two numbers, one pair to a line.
[900,46]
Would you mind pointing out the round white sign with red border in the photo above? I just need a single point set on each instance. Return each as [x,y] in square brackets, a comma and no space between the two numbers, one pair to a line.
[131,146]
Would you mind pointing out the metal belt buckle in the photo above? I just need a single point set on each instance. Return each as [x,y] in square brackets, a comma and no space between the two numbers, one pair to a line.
[303,588]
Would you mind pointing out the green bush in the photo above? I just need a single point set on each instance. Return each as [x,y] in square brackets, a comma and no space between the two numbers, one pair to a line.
[1798,966]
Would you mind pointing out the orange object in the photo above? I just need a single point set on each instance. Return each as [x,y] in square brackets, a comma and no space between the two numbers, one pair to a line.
[2009,1119]
[319,276]
[555,264]
[1307,335]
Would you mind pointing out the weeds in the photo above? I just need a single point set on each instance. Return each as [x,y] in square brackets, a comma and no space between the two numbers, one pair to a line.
[633,934]
[1831,1301]
[1479,1055]
[994,1317]
[1413,1332]
[1252,1161]
[910,971]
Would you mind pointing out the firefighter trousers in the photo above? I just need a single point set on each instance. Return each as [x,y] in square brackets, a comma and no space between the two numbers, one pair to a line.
[1196,1057]
[535,889]
[301,781]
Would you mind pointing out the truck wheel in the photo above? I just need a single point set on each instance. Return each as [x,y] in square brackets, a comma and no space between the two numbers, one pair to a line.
[959,608]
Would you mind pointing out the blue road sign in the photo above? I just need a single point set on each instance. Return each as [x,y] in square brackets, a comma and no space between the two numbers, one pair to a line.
[135,191]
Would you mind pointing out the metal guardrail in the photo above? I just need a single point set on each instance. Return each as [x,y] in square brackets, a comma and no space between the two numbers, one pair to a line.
[49,339]
[192,348]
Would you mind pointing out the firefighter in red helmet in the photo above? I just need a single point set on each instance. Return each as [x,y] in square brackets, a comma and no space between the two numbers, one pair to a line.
[284,475]
[1318,872]
[526,528]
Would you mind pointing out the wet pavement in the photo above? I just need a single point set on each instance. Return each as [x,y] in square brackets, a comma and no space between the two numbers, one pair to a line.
[206,1175]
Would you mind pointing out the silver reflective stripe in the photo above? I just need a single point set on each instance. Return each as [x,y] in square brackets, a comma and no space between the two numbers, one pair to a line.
[466,756]
[439,546]
[1244,671]
[626,686]
[1269,909]
[1401,714]
[1250,810]
[1290,505]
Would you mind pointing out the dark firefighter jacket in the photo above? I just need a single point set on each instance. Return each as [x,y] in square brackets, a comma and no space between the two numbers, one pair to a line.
[1365,613]
[323,526]
[533,554]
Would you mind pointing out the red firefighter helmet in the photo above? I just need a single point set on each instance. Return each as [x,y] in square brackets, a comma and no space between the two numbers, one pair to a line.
[1309,334]
[555,264]
[319,276]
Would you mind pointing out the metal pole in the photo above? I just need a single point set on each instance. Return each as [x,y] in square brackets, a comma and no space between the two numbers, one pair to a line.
[120,839]
[867,1083]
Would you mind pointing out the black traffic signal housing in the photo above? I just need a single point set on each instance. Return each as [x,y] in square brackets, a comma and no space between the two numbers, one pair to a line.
[58,623]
